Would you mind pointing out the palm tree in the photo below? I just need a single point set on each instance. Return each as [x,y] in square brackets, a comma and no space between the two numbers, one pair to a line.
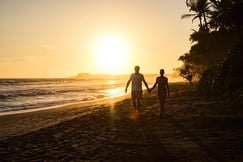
[220,14]
[227,15]
[201,9]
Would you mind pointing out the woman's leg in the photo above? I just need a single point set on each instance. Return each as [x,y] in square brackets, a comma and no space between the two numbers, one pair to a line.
[162,102]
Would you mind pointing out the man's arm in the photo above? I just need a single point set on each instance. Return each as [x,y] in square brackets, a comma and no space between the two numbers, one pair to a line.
[128,82]
[145,83]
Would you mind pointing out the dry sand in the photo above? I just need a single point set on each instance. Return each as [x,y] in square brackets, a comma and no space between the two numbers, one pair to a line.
[194,128]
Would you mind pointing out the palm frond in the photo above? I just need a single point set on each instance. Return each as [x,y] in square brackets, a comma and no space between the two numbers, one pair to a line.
[186,16]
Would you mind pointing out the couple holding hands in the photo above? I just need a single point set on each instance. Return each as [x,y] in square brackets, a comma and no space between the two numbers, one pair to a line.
[136,89]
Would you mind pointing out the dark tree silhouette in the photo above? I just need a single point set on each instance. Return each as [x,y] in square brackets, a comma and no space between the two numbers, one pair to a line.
[216,55]
[201,9]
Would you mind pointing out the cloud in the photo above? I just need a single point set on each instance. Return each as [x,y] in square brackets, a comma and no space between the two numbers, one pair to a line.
[11,59]
[49,47]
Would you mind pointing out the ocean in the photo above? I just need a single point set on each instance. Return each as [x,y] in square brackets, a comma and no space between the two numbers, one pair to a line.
[19,94]
[22,94]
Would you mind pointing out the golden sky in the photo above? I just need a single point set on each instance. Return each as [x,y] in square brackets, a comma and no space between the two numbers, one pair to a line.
[61,38]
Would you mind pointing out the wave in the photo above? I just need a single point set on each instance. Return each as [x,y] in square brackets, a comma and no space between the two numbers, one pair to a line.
[4,96]
[16,94]
[32,103]
[44,81]
[34,92]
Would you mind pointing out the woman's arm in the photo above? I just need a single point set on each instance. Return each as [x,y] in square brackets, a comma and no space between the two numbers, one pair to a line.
[168,88]
[154,85]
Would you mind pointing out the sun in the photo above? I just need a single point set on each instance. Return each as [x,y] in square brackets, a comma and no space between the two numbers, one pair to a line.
[111,54]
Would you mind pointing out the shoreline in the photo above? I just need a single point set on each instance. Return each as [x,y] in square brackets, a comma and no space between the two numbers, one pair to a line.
[25,121]
[81,104]
[37,107]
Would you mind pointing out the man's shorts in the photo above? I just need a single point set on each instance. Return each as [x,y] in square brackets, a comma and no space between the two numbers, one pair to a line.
[137,94]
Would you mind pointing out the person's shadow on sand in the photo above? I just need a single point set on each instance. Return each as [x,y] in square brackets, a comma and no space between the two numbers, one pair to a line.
[194,138]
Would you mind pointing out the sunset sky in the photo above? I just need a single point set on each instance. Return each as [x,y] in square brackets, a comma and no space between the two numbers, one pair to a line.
[61,38]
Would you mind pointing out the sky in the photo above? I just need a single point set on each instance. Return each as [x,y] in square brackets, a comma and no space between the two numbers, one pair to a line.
[61,38]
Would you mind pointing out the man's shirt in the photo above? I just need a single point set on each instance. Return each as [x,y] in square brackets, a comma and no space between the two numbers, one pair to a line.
[136,79]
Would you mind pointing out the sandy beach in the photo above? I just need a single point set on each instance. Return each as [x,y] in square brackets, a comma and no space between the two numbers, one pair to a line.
[194,128]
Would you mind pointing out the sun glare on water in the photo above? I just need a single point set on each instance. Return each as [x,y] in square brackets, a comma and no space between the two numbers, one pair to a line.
[111,54]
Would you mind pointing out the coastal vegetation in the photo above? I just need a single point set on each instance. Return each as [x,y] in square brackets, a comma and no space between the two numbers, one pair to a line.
[216,54]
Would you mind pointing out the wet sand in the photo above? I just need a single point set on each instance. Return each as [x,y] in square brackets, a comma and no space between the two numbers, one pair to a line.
[194,128]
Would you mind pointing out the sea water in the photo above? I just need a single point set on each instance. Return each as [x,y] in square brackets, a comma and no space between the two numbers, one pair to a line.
[19,94]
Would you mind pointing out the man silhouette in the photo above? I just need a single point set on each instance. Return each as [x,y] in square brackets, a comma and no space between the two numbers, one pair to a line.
[136,90]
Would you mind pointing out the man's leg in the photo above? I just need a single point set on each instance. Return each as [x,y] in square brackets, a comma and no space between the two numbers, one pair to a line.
[138,104]
[139,97]
[134,103]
